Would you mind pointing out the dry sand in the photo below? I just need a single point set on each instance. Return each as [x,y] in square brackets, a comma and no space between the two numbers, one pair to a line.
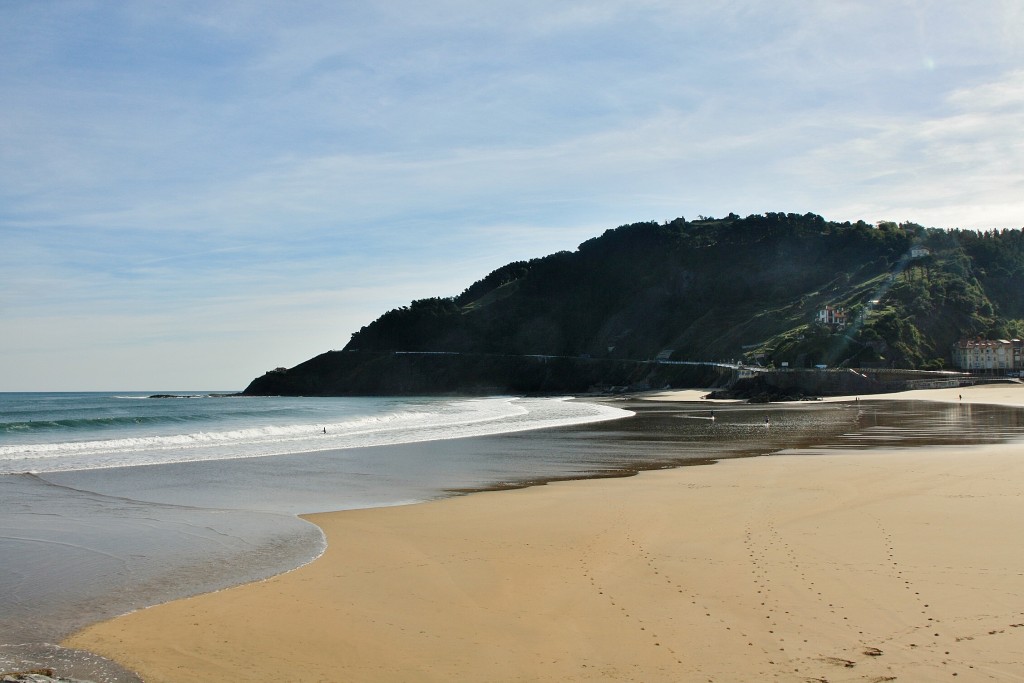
[865,566]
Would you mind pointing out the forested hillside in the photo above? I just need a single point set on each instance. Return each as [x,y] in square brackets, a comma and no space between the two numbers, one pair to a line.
[711,289]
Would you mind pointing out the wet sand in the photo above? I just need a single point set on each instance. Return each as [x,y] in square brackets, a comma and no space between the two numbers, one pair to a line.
[1008,394]
[854,566]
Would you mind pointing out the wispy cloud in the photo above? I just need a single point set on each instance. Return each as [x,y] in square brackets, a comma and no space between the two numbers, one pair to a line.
[961,167]
[204,170]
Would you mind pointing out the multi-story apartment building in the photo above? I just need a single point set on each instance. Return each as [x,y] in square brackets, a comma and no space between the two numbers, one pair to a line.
[989,354]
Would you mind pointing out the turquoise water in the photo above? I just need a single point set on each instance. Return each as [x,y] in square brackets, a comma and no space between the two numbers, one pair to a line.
[83,431]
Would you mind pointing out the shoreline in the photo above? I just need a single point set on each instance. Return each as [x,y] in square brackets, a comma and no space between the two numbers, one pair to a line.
[574,580]
[1000,393]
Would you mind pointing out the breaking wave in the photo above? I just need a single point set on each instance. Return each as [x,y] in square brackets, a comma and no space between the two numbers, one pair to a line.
[103,441]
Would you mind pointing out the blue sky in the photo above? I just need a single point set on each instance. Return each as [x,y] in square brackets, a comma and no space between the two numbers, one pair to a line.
[192,193]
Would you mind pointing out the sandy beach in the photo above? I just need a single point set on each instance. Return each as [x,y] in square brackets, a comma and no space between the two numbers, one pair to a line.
[1009,394]
[870,565]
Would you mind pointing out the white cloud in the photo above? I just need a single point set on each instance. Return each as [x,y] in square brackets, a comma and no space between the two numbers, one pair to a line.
[1006,93]
[963,167]
[204,169]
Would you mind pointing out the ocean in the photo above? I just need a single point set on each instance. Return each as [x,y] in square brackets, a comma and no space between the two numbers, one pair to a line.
[80,431]
[114,501]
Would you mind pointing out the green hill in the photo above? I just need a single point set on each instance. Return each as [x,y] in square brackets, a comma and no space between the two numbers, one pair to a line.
[712,289]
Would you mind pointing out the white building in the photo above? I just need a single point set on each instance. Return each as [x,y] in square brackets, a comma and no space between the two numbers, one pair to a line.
[989,354]
[832,316]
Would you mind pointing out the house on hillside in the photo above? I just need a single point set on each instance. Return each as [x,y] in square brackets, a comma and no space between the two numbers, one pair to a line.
[833,316]
[989,354]
[920,252]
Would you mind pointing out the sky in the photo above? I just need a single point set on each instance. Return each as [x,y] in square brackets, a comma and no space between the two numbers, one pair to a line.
[193,193]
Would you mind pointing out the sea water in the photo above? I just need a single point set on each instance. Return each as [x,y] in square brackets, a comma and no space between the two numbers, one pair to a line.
[83,431]
[114,501]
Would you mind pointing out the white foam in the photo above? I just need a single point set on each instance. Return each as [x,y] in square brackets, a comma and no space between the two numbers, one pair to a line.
[409,424]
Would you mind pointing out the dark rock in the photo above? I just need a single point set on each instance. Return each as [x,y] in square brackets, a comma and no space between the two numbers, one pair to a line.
[37,676]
